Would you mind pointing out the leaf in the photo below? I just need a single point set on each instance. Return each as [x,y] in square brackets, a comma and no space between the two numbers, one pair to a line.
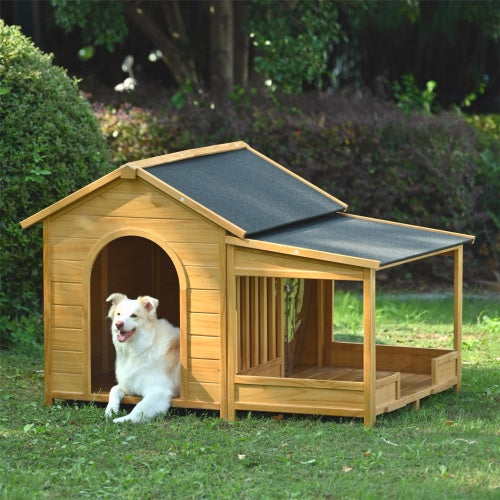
[308,462]
[346,468]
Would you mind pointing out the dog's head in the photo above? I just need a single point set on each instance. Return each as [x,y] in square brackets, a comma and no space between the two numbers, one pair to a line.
[127,315]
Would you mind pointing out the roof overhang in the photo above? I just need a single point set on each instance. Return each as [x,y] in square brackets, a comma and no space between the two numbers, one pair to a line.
[356,241]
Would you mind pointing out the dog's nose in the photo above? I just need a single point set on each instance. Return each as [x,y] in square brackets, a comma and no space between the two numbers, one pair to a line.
[119,325]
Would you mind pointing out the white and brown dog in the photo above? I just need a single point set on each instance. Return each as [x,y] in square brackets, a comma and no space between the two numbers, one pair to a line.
[147,358]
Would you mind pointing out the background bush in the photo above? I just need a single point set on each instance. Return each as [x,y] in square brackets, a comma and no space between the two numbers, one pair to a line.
[429,170]
[50,145]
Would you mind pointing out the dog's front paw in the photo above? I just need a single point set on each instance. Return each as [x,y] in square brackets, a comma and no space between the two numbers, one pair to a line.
[110,411]
[126,418]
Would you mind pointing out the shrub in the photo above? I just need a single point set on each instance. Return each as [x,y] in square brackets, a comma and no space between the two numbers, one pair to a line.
[50,146]
[382,161]
[488,177]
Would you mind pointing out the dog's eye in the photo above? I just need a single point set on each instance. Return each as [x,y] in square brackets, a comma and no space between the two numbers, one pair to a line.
[133,315]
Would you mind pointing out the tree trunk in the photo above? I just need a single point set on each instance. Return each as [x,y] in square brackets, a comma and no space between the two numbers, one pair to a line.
[241,44]
[179,64]
[221,47]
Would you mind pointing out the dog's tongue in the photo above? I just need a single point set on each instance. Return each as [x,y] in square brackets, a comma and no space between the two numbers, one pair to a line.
[123,336]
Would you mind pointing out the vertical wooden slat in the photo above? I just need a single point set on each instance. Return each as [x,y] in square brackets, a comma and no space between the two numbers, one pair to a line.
[369,359]
[238,333]
[262,314]
[271,317]
[254,321]
[457,313]
[320,311]
[245,322]
[280,323]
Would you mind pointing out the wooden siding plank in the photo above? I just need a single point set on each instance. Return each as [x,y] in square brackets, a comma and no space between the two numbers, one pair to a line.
[66,271]
[203,347]
[300,383]
[207,278]
[256,262]
[337,410]
[308,254]
[134,200]
[203,392]
[204,324]
[174,230]
[69,294]
[67,316]
[67,339]
[67,361]
[300,396]
[204,370]
[71,248]
[204,301]
[198,254]
[71,385]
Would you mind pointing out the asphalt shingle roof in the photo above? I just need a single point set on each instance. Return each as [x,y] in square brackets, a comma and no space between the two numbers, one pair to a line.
[246,190]
[271,205]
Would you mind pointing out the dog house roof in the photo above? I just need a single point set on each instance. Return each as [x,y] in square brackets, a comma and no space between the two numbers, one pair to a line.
[255,198]
[247,189]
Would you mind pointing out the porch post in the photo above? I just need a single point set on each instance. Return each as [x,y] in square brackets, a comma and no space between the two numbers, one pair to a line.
[457,311]
[231,337]
[369,357]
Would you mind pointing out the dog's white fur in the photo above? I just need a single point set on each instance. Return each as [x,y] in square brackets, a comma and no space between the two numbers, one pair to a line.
[147,358]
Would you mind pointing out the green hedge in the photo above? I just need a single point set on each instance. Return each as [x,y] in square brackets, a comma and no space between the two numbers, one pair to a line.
[433,171]
[50,145]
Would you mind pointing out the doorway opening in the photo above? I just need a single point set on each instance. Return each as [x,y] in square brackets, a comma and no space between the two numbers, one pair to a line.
[134,266]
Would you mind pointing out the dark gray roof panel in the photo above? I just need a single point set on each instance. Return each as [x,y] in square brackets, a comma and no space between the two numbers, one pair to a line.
[245,189]
[363,238]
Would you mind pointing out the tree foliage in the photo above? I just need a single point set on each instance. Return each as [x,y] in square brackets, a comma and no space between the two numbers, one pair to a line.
[294,41]
[303,44]
[100,22]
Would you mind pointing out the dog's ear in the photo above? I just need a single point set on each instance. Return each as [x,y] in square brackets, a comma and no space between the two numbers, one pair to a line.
[115,299]
[149,303]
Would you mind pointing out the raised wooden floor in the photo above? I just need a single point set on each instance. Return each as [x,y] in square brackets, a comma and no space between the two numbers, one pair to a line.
[410,382]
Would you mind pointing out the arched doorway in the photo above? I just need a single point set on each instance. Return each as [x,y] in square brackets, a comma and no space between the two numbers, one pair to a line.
[134,266]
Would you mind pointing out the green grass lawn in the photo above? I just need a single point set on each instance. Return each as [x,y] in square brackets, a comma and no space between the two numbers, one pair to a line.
[447,449]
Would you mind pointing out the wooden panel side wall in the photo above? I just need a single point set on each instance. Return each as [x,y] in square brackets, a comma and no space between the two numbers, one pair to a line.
[135,208]
[389,358]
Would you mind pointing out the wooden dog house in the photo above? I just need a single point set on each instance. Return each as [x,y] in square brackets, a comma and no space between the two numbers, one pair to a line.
[243,255]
